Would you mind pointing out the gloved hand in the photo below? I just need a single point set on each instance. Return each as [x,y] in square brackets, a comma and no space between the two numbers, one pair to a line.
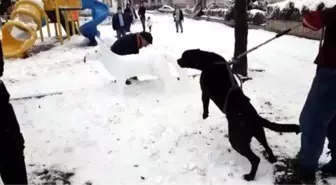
[312,20]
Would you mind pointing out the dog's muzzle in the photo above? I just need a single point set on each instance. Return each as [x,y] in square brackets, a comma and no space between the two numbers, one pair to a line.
[180,62]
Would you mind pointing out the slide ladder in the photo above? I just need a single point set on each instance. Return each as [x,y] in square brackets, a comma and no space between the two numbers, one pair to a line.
[19,33]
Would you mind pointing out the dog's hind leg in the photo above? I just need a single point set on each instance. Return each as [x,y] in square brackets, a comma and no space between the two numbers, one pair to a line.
[247,152]
[206,101]
[261,137]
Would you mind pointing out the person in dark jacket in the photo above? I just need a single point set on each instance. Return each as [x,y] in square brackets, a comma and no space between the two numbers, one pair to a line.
[142,15]
[12,162]
[129,17]
[5,7]
[131,44]
[317,119]
[119,23]
[178,18]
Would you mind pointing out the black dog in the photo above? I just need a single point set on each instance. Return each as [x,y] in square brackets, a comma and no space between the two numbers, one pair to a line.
[217,83]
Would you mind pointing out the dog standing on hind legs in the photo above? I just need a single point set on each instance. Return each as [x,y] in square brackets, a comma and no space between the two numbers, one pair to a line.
[244,122]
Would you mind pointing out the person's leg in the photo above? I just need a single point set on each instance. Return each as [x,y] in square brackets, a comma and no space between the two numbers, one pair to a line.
[143,21]
[181,26]
[176,25]
[329,169]
[12,164]
[314,119]
[118,34]
[123,32]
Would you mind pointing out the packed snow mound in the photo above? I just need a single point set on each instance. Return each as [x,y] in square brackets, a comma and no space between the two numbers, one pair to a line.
[311,4]
[151,59]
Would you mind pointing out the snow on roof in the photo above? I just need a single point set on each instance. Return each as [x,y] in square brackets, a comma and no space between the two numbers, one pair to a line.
[311,4]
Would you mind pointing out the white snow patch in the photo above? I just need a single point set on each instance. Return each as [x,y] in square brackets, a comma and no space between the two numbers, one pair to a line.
[161,139]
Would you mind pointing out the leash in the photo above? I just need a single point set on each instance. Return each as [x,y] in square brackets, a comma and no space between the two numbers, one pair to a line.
[236,59]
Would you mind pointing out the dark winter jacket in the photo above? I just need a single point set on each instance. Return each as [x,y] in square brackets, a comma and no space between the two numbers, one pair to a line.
[142,12]
[1,60]
[181,15]
[327,55]
[4,4]
[116,22]
[128,13]
[126,45]
[129,17]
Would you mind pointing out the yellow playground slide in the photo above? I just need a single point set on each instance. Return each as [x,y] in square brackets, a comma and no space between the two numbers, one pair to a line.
[19,33]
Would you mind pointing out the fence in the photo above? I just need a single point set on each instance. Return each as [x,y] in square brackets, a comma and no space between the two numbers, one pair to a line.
[271,25]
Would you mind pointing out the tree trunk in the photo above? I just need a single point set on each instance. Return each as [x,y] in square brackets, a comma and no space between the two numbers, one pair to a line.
[241,31]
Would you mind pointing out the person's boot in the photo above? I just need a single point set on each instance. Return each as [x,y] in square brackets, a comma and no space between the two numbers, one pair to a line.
[329,169]
[302,176]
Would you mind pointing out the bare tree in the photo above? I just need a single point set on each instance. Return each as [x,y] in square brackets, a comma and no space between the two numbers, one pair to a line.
[241,33]
[200,4]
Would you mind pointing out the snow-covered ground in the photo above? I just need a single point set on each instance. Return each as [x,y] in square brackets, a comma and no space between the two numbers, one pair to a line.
[87,134]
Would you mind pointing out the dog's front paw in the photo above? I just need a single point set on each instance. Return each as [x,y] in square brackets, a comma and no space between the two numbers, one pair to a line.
[248,177]
[272,159]
[205,115]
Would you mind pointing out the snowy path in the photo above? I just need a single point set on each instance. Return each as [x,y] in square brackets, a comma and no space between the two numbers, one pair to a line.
[152,139]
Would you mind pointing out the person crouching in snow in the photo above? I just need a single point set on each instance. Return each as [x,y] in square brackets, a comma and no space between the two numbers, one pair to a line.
[130,44]
[118,23]
[12,162]
[178,18]
[149,24]
[317,119]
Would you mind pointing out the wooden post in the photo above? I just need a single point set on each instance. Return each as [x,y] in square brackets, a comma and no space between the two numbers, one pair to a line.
[59,28]
[72,23]
[46,18]
[66,17]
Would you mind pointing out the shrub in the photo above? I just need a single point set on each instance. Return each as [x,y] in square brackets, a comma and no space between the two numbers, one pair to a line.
[258,19]
[229,14]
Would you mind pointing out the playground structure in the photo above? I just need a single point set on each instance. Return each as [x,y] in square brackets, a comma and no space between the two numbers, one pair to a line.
[29,16]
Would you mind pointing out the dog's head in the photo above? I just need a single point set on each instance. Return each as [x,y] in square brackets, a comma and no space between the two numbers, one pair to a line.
[198,59]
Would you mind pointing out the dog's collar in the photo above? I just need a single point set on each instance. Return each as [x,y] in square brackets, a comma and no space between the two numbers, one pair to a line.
[138,40]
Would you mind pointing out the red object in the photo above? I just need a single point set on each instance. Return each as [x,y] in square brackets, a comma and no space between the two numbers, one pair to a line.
[312,20]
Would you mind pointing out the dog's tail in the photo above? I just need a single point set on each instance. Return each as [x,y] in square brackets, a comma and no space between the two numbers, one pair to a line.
[280,127]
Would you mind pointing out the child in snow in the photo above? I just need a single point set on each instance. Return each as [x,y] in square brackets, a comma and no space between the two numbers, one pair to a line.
[149,24]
